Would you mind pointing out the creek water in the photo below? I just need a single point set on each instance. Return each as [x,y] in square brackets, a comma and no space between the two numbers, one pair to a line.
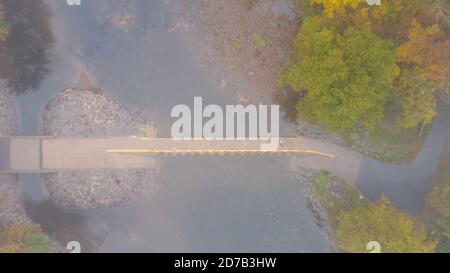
[215,203]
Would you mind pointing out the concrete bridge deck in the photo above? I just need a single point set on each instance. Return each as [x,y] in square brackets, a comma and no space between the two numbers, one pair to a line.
[45,154]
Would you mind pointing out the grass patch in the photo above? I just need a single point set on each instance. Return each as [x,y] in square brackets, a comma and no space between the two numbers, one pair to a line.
[38,243]
[335,197]
[259,40]
[444,245]
[400,145]
[237,44]
[388,142]
[249,3]
[442,175]
[393,143]
[333,204]
[447,146]
[305,8]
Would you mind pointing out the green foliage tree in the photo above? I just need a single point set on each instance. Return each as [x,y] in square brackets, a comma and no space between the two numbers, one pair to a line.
[24,238]
[418,100]
[4,27]
[439,201]
[444,245]
[348,78]
[25,53]
[381,222]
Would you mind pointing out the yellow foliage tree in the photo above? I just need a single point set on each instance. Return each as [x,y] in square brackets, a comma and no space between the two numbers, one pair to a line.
[381,222]
[393,18]
[418,100]
[439,201]
[337,6]
[24,238]
[428,52]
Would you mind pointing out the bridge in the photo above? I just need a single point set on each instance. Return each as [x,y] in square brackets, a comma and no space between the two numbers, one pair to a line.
[48,154]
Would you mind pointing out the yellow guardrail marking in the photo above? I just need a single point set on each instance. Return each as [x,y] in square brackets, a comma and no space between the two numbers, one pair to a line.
[216,139]
[180,151]
[140,151]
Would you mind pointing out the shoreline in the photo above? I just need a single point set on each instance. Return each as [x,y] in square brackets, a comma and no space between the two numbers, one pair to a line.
[12,206]
[12,210]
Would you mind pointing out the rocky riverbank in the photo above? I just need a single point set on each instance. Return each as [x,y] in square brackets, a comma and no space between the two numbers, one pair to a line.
[9,112]
[327,196]
[243,43]
[305,177]
[11,208]
[85,113]
[361,144]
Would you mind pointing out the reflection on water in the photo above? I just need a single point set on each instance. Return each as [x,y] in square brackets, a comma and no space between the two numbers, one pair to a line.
[221,203]
[23,55]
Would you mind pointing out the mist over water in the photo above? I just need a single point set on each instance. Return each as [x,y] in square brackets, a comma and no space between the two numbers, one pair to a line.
[210,203]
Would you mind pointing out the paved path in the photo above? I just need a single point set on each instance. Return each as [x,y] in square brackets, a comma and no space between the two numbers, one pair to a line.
[41,154]
[407,185]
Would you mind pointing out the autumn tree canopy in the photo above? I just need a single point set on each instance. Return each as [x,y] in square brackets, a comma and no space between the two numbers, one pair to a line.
[418,98]
[343,62]
[392,19]
[441,11]
[24,238]
[331,7]
[347,78]
[394,230]
[439,201]
[428,53]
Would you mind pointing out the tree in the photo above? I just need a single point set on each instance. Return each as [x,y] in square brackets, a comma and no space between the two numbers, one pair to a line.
[24,56]
[418,100]
[332,7]
[441,11]
[439,201]
[428,53]
[348,78]
[392,19]
[4,27]
[381,222]
[24,238]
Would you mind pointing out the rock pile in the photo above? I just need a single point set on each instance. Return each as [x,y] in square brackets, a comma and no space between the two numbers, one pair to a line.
[81,113]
